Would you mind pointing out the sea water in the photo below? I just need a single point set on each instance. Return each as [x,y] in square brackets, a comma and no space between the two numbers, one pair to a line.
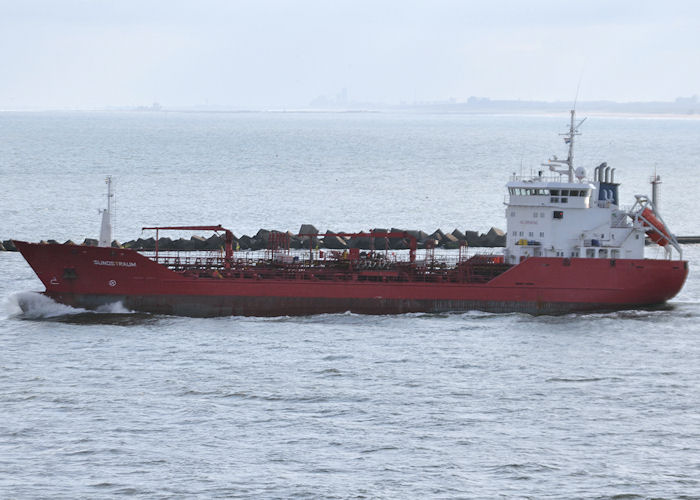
[98,404]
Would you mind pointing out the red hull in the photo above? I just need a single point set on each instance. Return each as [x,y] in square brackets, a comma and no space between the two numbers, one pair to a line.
[93,276]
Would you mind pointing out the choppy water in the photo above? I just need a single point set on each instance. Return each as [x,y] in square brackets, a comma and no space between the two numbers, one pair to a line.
[112,403]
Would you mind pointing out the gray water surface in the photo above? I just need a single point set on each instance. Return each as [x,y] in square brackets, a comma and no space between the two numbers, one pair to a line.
[475,405]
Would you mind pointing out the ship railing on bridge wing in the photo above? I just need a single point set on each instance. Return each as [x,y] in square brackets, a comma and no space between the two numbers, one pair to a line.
[537,178]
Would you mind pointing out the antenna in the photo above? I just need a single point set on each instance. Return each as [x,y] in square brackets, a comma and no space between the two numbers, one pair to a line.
[578,86]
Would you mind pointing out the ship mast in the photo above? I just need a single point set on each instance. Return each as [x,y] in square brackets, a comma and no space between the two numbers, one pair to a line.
[106,228]
[568,139]
[655,181]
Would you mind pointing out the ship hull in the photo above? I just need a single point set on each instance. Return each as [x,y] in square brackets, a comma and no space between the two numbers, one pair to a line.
[210,306]
[90,277]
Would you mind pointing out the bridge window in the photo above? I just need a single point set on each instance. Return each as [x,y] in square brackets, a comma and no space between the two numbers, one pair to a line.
[529,191]
[558,214]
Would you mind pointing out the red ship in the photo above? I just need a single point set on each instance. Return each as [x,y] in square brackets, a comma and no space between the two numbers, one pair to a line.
[570,247]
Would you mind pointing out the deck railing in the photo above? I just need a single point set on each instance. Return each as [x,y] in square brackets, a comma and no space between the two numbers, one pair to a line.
[215,260]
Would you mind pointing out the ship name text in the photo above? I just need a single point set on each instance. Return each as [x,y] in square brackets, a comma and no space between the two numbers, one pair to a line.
[113,263]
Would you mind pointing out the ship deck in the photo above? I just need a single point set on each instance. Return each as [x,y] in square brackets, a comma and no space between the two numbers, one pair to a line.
[454,267]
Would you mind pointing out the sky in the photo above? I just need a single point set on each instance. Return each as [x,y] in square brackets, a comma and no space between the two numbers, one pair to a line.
[87,54]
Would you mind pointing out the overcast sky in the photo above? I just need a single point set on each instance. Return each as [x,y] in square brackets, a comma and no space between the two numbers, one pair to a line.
[85,54]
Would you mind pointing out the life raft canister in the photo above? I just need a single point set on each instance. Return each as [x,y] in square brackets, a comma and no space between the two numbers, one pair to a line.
[651,220]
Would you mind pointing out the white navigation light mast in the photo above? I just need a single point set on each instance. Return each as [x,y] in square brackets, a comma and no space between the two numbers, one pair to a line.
[107,213]
[568,139]
[655,181]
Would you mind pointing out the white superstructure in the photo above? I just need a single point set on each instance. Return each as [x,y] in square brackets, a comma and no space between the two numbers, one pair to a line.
[569,215]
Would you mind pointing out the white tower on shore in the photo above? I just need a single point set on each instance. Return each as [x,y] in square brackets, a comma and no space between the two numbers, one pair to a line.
[107,213]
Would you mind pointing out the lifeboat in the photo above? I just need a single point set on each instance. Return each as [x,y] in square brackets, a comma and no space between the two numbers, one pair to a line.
[661,237]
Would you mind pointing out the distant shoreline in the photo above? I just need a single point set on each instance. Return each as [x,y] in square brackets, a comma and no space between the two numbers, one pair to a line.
[652,111]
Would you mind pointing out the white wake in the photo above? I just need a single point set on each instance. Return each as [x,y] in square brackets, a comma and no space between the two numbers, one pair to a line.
[35,305]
